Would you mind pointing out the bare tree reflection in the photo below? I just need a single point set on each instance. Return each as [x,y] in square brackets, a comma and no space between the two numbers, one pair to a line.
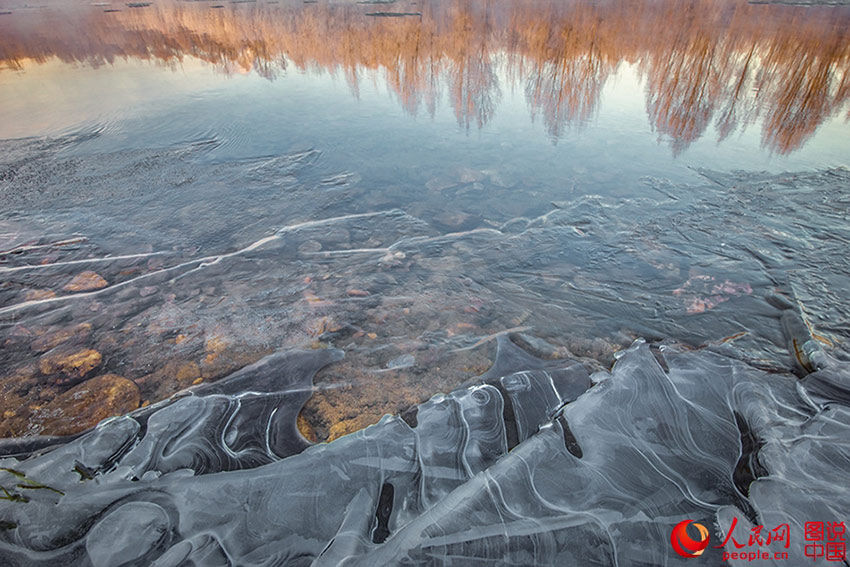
[564,70]
[473,84]
[707,64]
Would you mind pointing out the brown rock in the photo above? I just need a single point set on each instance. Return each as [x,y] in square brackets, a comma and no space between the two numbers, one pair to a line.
[17,394]
[53,339]
[72,367]
[347,426]
[87,404]
[86,281]
[321,326]
[306,429]
[130,271]
[174,376]
[38,294]
[188,374]
[17,336]
[214,345]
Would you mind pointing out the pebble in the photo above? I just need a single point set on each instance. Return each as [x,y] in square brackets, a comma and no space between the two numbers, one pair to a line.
[72,366]
[453,219]
[402,361]
[86,281]
[309,247]
[500,179]
[39,294]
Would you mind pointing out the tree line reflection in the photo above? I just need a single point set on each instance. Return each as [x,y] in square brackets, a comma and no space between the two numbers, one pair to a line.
[705,63]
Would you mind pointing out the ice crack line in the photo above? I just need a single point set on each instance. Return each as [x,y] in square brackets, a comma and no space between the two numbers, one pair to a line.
[198,263]
[82,261]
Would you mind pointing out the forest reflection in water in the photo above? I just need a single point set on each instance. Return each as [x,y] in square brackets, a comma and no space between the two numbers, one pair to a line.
[708,64]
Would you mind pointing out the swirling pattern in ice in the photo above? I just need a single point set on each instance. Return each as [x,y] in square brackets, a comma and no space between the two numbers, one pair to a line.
[528,465]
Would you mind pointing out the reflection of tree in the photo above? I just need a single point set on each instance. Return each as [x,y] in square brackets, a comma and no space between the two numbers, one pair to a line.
[473,84]
[564,70]
[707,63]
[788,73]
[814,86]
[415,76]
[734,111]
[682,91]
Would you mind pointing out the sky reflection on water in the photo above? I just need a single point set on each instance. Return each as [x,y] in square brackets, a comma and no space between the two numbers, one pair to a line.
[717,70]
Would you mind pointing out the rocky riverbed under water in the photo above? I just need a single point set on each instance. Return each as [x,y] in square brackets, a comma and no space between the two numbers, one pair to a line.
[541,455]
[414,295]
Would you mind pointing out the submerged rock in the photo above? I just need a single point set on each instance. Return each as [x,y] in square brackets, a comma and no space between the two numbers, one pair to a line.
[250,419]
[502,179]
[455,220]
[526,466]
[85,405]
[86,281]
[440,184]
[39,294]
[310,246]
[51,340]
[403,361]
[69,367]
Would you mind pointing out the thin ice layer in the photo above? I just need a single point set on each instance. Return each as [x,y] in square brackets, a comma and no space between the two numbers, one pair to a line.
[598,478]
[281,510]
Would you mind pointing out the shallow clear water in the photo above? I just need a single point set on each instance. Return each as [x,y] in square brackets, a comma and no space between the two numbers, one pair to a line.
[474,169]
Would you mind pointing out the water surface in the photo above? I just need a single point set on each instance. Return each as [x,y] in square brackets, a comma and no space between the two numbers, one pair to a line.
[251,176]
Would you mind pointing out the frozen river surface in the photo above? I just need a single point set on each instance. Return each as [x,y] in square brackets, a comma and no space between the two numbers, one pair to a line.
[589,260]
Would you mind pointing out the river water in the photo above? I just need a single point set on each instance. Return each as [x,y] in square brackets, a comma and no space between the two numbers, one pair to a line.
[189,186]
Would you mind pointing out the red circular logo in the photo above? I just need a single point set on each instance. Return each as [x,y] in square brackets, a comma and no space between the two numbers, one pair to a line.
[685,545]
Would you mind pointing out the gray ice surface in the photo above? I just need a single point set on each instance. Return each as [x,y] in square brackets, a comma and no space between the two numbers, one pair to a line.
[535,464]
